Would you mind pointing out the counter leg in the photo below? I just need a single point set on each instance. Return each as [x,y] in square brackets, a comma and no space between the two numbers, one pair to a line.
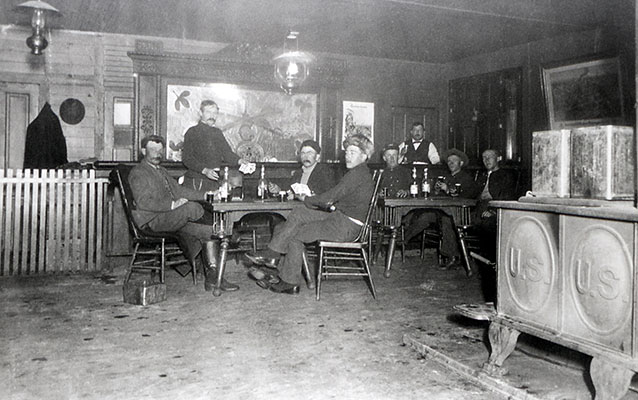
[390,254]
[610,381]
[503,341]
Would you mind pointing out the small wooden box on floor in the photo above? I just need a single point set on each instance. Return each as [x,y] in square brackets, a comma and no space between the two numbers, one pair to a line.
[551,163]
[143,293]
[602,160]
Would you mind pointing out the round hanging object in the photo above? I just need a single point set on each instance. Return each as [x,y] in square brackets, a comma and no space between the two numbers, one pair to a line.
[72,111]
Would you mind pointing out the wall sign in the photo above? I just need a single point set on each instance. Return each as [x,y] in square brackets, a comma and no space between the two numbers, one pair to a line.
[358,117]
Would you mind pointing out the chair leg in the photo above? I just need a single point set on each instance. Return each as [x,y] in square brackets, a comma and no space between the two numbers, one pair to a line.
[319,272]
[130,265]
[367,269]
[422,245]
[254,240]
[162,261]
[193,263]
[466,258]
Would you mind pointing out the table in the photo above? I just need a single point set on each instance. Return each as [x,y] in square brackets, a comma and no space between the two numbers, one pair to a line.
[395,209]
[226,214]
[567,274]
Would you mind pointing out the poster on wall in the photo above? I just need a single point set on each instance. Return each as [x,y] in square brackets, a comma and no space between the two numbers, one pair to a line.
[358,117]
[259,125]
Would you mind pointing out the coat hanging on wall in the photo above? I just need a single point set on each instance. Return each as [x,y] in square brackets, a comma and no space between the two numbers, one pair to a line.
[45,145]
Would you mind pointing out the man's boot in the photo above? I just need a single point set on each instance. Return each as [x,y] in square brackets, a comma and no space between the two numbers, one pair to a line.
[210,269]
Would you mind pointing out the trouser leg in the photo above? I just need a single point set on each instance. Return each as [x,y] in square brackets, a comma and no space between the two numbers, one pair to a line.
[285,232]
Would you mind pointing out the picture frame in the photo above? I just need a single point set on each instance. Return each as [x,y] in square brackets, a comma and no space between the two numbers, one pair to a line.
[588,92]
[260,125]
[358,117]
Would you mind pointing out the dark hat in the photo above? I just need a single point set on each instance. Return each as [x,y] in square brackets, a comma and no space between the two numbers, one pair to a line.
[390,146]
[459,153]
[310,143]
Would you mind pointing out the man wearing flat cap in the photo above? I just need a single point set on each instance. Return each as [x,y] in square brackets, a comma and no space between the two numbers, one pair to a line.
[350,198]
[458,182]
[396,178]
[318,177]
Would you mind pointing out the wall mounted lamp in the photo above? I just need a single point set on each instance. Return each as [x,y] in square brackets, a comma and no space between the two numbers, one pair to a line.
[40,12]
[292,66]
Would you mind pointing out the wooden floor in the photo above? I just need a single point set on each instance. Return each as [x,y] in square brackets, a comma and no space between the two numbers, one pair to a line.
[72,337]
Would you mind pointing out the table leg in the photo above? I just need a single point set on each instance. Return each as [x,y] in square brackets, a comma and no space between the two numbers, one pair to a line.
[390,254]
[610,381]
[223,251]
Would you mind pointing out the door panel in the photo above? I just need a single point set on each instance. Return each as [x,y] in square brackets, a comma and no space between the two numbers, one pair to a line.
[404,117]
[18,107]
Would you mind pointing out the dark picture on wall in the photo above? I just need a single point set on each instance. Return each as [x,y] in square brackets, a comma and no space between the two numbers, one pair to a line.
[585,93]
[260,125]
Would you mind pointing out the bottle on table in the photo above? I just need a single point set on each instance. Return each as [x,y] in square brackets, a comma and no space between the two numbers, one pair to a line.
[224,187]
[425,184]
[414,186]
[262,185]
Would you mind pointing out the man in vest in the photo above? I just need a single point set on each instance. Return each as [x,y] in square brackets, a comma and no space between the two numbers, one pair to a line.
[419,149]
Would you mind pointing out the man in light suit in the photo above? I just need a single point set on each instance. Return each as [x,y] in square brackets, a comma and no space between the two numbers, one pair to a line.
[162,205]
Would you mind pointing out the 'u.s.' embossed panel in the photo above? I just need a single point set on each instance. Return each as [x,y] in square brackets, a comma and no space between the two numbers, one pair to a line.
[598,281]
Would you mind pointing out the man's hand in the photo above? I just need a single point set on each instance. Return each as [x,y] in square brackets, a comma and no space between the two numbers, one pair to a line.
[402,193]
[488,214]
[210,174]
[178,203]
[273,188]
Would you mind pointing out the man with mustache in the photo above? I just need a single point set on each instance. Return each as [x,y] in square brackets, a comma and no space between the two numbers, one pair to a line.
[318,177]
[206,150]
[162,205]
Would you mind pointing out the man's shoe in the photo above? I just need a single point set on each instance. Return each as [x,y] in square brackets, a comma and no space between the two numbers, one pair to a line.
[284,287]
[210,274]
[259,259]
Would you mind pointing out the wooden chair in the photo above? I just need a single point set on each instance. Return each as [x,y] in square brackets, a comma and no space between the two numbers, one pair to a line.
[336,258]
[152,251]
[467,241]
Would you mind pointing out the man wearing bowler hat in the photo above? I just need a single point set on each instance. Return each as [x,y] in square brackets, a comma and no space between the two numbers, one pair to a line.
[318,177]
[459,183]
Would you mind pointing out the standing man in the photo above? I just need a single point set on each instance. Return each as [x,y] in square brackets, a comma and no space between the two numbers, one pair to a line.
[318,177]
[165,206]
[351,197]
[396,178]
[206,150]
[419,149]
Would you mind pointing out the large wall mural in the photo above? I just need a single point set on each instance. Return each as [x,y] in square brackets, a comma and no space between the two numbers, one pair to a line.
[259,125]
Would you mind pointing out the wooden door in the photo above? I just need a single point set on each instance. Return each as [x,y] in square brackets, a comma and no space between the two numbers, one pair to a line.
[404,117]
[18,107]
[484,114]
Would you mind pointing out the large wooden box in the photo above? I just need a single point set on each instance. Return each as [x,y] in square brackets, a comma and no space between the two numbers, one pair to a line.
[551,163]
[602,162]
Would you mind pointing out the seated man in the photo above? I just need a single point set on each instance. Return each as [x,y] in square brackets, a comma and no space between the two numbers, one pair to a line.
[318,177]
[165,206]
[496,184]
[309,224]
[396,178]
[461,184]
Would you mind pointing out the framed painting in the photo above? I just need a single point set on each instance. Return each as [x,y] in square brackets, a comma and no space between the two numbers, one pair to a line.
[584,93]
[358,117]
[259,125]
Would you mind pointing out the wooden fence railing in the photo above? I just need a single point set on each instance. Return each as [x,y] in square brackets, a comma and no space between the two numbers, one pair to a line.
[51,221]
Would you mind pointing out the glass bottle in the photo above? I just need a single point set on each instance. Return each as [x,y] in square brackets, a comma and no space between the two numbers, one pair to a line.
[425,184]
[262,186]
[414,187]
[224,187]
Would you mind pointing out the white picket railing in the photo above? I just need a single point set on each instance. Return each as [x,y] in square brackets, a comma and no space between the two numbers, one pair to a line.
[51,221]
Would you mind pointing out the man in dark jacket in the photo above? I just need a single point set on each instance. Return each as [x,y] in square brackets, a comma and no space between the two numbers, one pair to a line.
[396,178]
[351,198]
[458,183]
[318,177]
[162,205]
[206,150]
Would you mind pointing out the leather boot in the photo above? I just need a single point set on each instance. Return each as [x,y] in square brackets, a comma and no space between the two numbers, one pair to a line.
[210,274]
